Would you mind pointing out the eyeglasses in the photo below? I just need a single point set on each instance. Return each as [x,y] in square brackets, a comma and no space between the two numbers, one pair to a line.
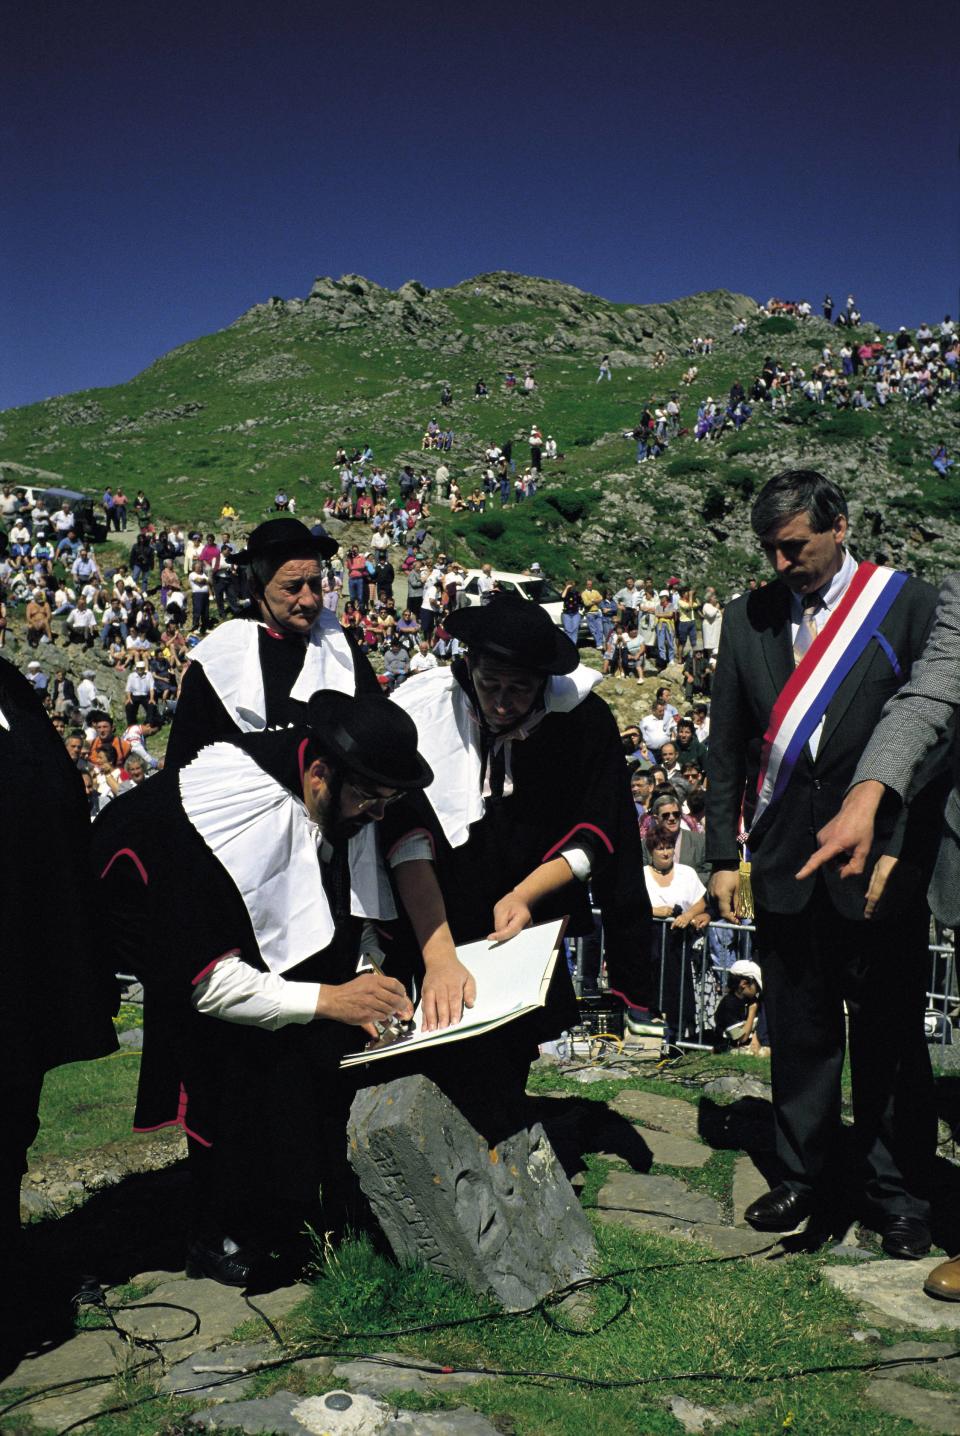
[367,800]
[669,813]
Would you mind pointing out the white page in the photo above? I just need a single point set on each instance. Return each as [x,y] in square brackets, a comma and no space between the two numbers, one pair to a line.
[509,977]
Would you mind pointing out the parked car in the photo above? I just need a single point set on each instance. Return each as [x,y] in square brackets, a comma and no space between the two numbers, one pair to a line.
[90,526]
[528,585]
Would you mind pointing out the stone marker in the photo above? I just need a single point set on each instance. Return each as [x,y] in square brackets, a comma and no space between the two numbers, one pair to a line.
[504,1219]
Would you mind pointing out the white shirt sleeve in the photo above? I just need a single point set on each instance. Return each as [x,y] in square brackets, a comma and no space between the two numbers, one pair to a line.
[579,861]
[414,848]
[236,992]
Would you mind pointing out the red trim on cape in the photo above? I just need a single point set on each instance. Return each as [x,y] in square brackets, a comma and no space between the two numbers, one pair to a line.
[180,1120]
[231,952]
[127,853]
[587,827]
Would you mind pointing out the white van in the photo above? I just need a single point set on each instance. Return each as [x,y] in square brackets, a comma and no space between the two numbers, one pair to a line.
[528,585]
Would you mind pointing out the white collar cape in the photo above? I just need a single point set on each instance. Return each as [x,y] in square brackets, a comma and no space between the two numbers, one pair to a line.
[230,657]
[261,835]
[448,736]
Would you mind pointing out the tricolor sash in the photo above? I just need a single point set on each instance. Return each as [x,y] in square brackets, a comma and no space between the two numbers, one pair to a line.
[808,692]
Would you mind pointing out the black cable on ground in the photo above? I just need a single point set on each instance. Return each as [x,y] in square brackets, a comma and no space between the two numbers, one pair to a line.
[324,1346]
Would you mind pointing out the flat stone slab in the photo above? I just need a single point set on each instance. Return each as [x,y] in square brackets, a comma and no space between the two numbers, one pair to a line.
[664,1147]
[88,1353]
[220,1308]
[725,1241]
[208,1371]
[391,1372]
[735,1084]
[671,1114]
[895,1288]
[588,1075]
[657,1196]
[337,1413]
[697,1419]
[939,1359]
[930,1410]
[748,1185]
[502,1218]
[665,1205]
[673,1151]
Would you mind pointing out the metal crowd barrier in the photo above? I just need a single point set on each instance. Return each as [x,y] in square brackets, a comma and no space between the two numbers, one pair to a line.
[691,968]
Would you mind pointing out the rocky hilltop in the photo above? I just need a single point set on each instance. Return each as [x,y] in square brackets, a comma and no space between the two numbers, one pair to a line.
[266,402]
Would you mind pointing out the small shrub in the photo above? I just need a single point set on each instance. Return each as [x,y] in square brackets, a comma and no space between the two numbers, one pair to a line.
[568,506]
[583,441]
[715,504]
[741,479]
[689,465]
[901,452]
[777,324]
[490,527]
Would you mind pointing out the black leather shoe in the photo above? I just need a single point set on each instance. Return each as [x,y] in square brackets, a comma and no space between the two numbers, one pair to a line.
[237,1268]
[780,1210]
[906,1238]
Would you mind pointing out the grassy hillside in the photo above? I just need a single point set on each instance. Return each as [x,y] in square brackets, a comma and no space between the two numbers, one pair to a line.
[265,403]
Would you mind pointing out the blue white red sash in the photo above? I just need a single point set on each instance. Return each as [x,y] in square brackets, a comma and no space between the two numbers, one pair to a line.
[808,692]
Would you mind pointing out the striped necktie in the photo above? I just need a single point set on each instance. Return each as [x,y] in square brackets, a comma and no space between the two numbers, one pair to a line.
[807,631]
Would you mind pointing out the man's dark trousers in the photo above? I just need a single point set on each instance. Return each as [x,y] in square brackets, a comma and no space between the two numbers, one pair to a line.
[811,960]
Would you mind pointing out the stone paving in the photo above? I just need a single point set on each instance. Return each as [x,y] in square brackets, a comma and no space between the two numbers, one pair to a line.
[632,1133]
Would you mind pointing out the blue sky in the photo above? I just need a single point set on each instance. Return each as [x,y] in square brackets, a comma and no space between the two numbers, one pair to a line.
[166,166]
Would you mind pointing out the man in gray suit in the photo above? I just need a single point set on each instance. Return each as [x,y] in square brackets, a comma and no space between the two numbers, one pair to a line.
[914,722]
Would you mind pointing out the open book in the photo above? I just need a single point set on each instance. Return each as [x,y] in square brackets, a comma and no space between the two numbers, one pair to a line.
[512,979]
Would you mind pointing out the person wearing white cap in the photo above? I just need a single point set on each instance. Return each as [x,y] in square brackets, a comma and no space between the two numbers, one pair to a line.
[740,1019]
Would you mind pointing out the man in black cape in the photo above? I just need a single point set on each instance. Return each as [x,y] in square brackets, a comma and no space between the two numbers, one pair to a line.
[58,989]
[268,842]
[530,812]
[258,672]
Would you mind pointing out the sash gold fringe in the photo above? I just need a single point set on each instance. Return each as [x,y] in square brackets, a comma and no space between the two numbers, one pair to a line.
[745,893]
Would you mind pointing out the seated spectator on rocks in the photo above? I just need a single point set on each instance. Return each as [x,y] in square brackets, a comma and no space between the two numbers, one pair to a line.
[657,728]
[641,790]
[696,809]
[81,626]
[407,630]
[396,664]
[39,616]
[133,773]
[670,762]
[36,677]
[106,739]
[424,659]
[689,747]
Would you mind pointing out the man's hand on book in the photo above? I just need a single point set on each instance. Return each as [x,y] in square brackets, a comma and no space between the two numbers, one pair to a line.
[448,988]
[364,1001]
[510,916]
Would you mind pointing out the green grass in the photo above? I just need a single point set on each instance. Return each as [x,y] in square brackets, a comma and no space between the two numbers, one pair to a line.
[87,1104]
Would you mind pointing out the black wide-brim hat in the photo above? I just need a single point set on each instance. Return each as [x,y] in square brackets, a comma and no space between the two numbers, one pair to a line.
[517,631]
[280,539]
[370,737]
